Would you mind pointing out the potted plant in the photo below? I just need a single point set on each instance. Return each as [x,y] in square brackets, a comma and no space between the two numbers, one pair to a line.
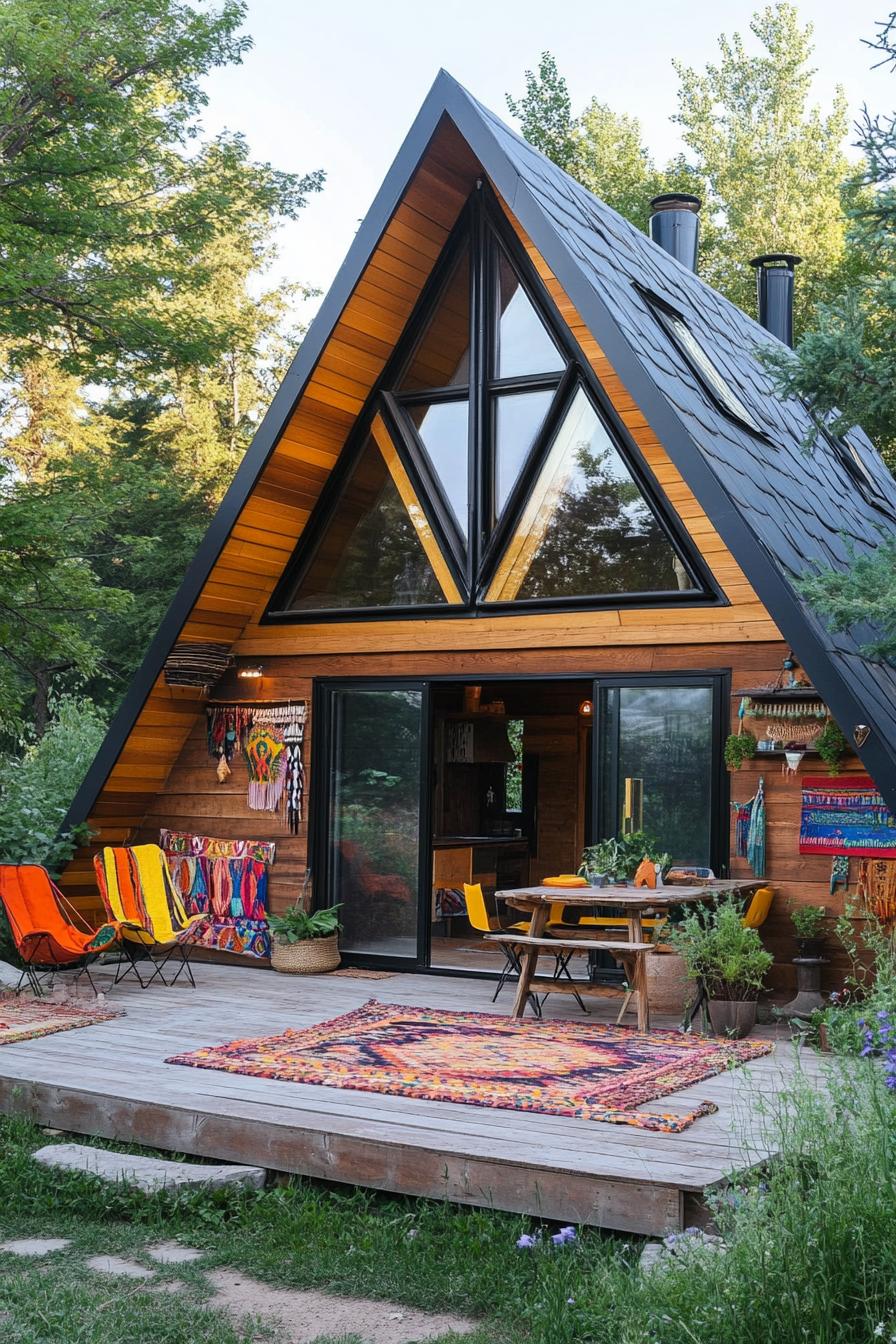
[618,857]
[303,943]
[728,960]
[740,747]
[830,745]
[808,921]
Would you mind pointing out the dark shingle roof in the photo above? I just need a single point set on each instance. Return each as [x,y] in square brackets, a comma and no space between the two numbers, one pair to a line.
[781,508]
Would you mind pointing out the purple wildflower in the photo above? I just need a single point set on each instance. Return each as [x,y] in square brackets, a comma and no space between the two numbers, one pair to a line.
[526,1242]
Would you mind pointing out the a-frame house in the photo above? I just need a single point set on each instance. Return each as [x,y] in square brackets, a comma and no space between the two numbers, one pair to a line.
[524,461]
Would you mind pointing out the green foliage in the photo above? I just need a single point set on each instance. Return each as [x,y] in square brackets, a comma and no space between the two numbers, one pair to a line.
[845,365]
[771,164]
[720,953]
[619,856]
[808,920]
[865,592]
[296,925]
[830,745]
[37,786]
[106,206]
[767,165]
[739,747]
[870,986]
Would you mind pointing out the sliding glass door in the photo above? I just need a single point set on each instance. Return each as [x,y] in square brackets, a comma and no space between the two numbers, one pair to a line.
[373,823]
[658,764]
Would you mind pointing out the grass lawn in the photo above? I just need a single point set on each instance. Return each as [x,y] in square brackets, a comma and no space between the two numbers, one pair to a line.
[811,1255]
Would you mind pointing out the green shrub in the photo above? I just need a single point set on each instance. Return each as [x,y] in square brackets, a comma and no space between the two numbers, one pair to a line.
[619,856]
[807,920]
[719,952]
[296,925]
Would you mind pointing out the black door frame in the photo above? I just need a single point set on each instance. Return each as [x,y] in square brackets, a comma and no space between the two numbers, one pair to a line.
[321,748]
[719,682]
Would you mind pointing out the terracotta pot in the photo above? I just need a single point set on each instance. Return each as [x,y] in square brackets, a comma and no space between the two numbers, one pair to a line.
[311,956]
[668,988]
[734,1018]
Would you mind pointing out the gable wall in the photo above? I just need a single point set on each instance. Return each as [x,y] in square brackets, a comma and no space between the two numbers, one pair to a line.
[163,775]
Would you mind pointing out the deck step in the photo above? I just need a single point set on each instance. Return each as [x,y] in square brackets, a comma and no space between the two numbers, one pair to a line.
[149,1174]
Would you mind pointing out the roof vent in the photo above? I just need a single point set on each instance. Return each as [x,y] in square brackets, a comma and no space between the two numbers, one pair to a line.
[774,283]
[675,225]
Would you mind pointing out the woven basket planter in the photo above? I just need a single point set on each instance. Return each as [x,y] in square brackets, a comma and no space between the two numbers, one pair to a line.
[310,956]
[668,988]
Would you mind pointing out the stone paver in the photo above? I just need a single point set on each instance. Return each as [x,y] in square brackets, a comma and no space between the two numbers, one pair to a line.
[171,1253]
[124,1269]
[147,1173]
[35,1245]
[302,1316]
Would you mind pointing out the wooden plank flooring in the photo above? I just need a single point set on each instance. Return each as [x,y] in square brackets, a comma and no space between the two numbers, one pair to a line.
[111,1080]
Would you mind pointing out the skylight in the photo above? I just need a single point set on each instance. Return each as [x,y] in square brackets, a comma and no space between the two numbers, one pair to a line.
[706,370]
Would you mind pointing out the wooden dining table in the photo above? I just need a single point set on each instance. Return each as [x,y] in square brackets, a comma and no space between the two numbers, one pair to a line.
[635,903]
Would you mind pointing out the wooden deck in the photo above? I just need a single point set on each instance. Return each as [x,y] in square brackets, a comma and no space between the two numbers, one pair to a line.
[110,1080]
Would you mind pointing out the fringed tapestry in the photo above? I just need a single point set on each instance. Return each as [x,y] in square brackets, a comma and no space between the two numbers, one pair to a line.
[197,664]
[846,815]
[228,880]
[271,739]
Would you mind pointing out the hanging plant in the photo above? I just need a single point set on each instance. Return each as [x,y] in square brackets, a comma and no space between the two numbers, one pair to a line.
[740,747]
[830,745]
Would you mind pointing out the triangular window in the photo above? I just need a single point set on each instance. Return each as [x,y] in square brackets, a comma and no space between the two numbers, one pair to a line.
[586,529]
[483,471]
[522,345]
[441,356]
[378,548]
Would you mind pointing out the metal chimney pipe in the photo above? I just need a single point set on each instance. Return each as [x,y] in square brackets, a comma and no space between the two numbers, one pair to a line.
[774,286]
[675,225]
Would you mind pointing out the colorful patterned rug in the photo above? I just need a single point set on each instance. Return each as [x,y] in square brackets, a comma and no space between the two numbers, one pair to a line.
[586,1069]
[23,1017]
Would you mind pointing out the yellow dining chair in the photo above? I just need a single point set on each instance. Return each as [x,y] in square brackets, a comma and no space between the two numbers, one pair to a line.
[484,922]
[756,912]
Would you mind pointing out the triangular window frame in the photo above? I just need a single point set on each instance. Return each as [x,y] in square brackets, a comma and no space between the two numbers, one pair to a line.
[472,556]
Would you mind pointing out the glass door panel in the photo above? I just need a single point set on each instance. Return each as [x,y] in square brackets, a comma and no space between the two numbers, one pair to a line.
[658,768]
[373,822]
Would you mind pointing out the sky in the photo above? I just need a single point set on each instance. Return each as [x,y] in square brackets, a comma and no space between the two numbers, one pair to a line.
[336,85]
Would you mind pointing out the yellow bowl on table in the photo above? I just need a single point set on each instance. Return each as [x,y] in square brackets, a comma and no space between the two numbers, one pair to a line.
[565,880]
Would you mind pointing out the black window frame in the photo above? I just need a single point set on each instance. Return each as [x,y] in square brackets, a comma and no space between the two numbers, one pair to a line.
[484,227]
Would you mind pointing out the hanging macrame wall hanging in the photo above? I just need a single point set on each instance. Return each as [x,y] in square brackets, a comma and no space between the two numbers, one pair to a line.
[228,880]
[271,739]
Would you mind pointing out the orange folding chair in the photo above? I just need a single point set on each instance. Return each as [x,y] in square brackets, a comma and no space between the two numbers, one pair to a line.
[49,933]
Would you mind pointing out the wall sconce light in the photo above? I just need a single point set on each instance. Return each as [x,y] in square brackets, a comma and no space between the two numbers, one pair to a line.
[251,672]
[586,709]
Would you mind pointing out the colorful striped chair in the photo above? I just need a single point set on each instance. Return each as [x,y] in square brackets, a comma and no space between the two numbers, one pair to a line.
[138,893]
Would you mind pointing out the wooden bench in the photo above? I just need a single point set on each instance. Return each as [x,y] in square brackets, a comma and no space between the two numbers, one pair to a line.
[630,955]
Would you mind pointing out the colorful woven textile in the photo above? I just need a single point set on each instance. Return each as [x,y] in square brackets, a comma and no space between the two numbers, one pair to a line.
[22,1017]
[228,880]
[590,1070]
[846,815]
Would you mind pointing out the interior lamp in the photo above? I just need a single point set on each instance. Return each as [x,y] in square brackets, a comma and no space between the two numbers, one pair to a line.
[586,709]
[251,672]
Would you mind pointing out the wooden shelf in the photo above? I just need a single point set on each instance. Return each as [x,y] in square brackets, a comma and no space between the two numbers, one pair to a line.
[785,693]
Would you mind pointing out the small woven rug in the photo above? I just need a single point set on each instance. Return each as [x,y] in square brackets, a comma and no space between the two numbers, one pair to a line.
[22,1017]
[359,973]
[586,1069]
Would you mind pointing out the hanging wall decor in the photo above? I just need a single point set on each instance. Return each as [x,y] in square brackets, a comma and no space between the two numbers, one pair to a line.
[846,816]
[228,880]
[271,738]
[749,831]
